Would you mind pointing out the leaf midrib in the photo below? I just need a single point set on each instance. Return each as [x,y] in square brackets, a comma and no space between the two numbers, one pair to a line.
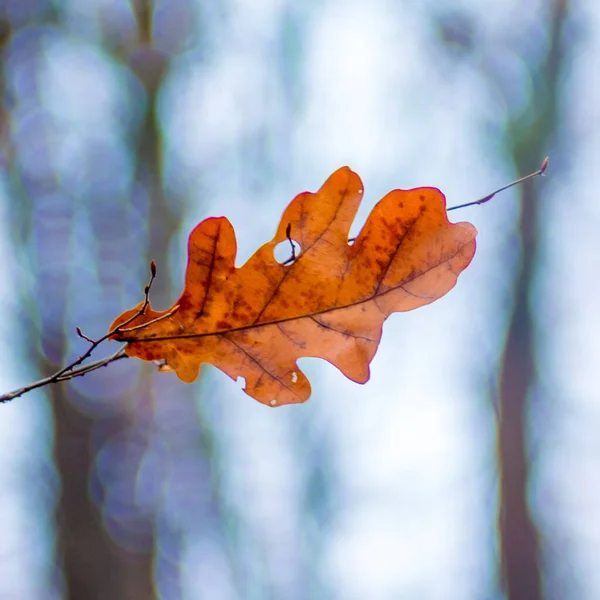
[255,325]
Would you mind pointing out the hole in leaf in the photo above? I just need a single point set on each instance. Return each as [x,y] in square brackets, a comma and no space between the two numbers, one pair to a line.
[241,382]
[283,252]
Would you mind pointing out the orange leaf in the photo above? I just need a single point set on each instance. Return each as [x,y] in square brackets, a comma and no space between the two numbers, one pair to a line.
[330,302]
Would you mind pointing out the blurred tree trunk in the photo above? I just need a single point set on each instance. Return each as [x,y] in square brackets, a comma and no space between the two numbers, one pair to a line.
[94,566]
[519,543]
[518,536]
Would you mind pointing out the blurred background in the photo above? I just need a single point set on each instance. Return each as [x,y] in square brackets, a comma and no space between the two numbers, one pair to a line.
[467,468]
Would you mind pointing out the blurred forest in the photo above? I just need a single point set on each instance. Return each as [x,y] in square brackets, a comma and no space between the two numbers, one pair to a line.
[467,468]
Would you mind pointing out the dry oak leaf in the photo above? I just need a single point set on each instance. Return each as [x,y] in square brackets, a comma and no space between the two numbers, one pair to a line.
[330,302]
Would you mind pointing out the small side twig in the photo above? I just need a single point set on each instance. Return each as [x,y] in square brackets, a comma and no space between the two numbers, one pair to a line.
[95,343]
[74,369]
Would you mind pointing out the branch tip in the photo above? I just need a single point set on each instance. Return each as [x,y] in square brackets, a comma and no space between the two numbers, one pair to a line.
[76,368]
[85,337]
[487,198]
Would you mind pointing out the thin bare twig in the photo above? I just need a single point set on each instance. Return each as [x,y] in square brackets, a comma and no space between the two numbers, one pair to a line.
[74,369]
[487,198]
[84,369]
[483,200]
